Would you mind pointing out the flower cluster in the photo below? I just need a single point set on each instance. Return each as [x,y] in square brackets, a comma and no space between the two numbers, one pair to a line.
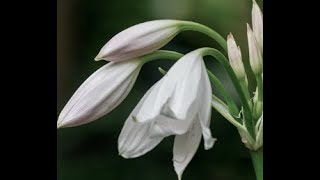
[179,103]
[255,42]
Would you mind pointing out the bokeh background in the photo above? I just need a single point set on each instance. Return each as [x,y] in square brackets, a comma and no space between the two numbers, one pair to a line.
[89,152]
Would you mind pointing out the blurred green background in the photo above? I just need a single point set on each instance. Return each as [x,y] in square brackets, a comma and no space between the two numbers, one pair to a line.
[89,152]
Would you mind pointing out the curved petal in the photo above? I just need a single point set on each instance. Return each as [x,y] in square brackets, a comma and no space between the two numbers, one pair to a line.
[135,138]
[103,91]
[146,112]
[178,92]
[166,126]
[185,146]
[204,115]
[179,89]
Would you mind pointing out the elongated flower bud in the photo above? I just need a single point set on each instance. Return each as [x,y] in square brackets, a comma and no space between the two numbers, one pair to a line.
[235,58]
[254,53]
[103,91]
[139,40]
[257,24]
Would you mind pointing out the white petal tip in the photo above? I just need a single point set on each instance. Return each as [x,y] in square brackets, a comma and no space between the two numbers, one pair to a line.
[137,120]
[59,125]
[254,2]
[97,58]
[179,172]
[124,156]
[248,27]
[127,155]
[230,36]
[209,143]
[179,176]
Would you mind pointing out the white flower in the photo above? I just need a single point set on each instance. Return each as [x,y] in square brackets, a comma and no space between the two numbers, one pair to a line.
[257,24]
[103,91]
[235,58]
[179,104]
[139,40]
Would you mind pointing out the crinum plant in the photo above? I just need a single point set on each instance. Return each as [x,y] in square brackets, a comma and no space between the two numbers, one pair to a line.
[180,103]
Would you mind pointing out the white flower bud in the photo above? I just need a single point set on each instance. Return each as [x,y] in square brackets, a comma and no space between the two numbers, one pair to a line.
[254,53]
[257,24]
[139,40]
[235,58]
[103,91]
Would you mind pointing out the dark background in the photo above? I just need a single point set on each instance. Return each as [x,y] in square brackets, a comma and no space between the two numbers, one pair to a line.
[90,151]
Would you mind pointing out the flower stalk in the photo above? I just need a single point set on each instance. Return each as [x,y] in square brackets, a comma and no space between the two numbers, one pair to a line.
[257,160]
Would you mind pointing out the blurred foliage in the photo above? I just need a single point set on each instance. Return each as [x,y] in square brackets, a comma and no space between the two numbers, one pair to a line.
[90,151]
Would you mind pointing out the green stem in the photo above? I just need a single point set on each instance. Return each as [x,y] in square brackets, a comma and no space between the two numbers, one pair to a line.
[231,104]
[245,89]
[257,161]
[259,104]
[246,107]
[193,26]
[161,54]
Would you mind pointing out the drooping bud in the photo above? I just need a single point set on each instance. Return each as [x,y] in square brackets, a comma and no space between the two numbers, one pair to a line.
[139,40]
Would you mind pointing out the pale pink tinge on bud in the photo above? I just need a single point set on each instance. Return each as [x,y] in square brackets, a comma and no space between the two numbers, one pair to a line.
[257,24]
[103,91]
[138,40]
[235,58]
[255,56]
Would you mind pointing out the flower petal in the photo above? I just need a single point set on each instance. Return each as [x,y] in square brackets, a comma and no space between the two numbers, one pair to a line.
[135,138]
[180,87]
[178,92]
[185,146]
[103,91]
[139,40]
[146,112]
[204,100]
[166,126]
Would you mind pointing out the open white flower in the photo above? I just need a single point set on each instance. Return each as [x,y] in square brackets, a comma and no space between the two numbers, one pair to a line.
[103,91]
[139,40]
[179,104]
